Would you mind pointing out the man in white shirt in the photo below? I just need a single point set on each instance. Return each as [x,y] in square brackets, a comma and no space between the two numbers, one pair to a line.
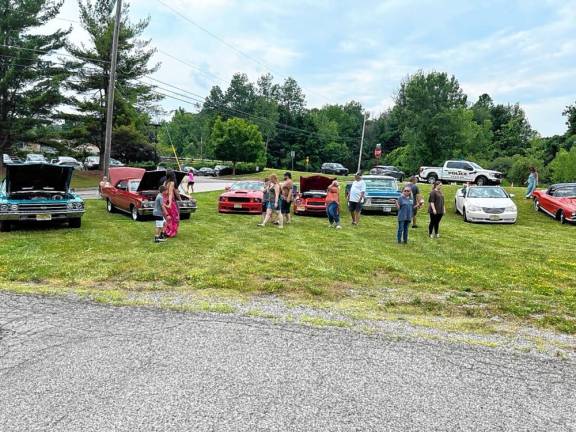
[356,197]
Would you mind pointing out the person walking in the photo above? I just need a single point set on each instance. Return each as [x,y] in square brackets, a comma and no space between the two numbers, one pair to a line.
[416,198]
[273,204]
[191,181]
[356,197]
[333,205]
[405,206]
[173,196]
[160,213]
[532,182]
[286,197]
[436,209]
[265,198]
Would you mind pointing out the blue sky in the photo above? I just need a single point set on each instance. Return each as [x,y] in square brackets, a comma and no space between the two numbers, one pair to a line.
[517,51]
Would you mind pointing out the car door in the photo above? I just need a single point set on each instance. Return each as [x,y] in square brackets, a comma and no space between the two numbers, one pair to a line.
[119,199]
[460,197]
[452,171]
[467,173]
[547,201]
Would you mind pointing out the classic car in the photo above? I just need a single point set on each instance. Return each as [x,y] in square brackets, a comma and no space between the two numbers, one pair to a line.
[311,199]
[490,204]
[38,192]
[242,197]
[220,170]
[388,170]
[133,191]
[559,201]
[67,161]
[35,158]
[333,168]
[381,194]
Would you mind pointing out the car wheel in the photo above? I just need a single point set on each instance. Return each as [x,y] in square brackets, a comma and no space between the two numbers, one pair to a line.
[5,226]
[464,214]
[134,213]
[536,205]
[432,178]
[75,223]
[561,217]
[481,181]
[110,206]
[455,207]
[184,216]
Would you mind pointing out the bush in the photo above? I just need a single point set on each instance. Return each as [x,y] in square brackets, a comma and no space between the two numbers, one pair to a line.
[502,164]
[563,166]
[520,170]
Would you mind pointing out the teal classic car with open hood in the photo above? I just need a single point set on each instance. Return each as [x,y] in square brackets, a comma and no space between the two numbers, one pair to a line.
[382,194]
[38,192]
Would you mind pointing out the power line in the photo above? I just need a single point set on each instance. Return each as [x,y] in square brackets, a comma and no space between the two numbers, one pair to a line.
[51,52]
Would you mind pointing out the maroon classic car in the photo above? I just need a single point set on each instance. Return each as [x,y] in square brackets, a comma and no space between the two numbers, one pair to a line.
[312,196]
[559,201]
[133,190]
[242,197]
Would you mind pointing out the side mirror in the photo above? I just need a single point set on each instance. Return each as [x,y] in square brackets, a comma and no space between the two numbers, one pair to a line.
[227,188]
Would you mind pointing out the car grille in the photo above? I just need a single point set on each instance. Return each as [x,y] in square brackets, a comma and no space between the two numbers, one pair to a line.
[492,210]
[382,201]
[238,199]
[316,203]
[39,208]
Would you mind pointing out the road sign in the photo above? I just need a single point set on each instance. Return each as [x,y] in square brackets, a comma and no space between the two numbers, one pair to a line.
[292,154]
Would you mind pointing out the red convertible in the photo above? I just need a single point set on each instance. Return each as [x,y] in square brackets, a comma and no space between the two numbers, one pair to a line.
[559,201]
[242,197]
[133,190]
[312,196]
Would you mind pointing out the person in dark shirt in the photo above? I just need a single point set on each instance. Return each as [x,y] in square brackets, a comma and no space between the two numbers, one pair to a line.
[405,207]
[436,209]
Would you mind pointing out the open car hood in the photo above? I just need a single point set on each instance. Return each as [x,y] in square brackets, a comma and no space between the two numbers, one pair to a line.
[117,174]
[151,180]
[37,176]
[315,183]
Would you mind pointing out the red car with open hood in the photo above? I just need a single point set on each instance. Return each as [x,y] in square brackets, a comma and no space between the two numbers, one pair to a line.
[312,196]
[559,201]
[133,190]
[242,197]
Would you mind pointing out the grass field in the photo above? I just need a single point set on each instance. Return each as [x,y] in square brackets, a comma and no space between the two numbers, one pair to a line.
[85,179]
[522,274]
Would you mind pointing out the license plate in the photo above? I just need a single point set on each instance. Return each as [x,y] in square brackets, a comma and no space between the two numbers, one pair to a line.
[494,217]
[43,217]
[301,208]
[238,206]
[386,209]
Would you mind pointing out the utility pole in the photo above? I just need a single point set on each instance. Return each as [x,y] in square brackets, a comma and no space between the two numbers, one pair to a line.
[361,143]
[105,163]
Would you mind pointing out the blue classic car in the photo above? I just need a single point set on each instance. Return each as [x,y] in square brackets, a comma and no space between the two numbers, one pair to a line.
[381,193]
[38,192]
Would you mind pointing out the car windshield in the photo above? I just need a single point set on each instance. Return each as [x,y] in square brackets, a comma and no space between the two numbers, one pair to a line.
[337,165]
[475,166]
[380,184]
[247,186]
[566,192]
[491,192]
[133,185]
[35,157]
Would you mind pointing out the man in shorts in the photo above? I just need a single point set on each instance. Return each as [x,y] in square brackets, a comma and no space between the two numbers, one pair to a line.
[356,197]
[286,196]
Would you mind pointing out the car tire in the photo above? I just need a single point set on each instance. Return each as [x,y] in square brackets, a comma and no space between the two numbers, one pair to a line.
[561,217]
[536,205]
[464,214]
[184,216]
[5,226]
[134,213]
[481,181]
[75,222]
[432,178]
[110,206]
[456,208]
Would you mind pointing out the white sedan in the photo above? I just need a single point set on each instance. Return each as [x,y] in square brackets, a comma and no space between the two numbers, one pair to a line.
[485,204]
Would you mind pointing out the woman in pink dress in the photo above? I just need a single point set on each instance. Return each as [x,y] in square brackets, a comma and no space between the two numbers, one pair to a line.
[173,222]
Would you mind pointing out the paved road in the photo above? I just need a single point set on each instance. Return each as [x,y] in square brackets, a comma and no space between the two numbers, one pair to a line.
[70,366]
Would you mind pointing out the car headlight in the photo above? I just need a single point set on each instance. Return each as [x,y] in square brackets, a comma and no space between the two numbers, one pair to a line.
[14,207]
[70,205]
[4,208]
[474,208]
[510,209]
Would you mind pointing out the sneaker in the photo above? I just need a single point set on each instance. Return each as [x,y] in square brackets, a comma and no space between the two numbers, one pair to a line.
[280,226]
[162,236]
[338,227]
[159,239]
[431,235]
[276,223]
[260,225]
[405,241]
[437,235]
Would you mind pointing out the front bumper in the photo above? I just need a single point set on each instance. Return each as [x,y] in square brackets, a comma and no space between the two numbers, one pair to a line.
[304,209]
[42,216]
[240,207]
[383,208]
[506,217]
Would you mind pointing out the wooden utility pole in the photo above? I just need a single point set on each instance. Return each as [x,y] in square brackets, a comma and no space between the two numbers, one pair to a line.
[361,143]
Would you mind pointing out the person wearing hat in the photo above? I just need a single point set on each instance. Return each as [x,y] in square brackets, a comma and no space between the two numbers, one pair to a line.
[286,196]
[333,204]
[356,197]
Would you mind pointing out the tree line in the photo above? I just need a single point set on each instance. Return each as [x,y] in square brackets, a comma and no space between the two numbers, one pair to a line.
[53,89]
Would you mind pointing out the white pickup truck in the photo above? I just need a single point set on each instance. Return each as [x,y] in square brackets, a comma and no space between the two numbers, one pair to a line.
[460,171]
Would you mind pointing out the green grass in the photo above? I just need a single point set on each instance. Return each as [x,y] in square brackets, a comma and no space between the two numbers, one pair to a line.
[523,273]
[85,179]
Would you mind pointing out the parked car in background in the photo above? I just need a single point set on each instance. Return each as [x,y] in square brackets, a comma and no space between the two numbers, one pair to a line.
[35,158]
[382,194]
[6,159]
[490,204]
[205,171]
[459,171]
[220,170]
[187,169]
[388,170]
[67,161]
[38,192]
[311,199]
[558,201]
[93,162]
[333,168]
[133,191]
[242,197]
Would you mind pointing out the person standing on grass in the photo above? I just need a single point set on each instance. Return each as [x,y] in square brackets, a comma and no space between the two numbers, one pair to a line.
[333,205]
[191,181]
[273,203]
[173,223]
[160,214]
[405,206]
[532,182]
[286,196]
[416,198]
[356,197]
[437,209]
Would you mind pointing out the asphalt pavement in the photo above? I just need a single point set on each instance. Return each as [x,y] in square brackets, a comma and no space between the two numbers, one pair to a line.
[66,365]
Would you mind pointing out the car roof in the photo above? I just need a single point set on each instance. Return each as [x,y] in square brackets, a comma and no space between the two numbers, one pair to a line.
[557,185]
